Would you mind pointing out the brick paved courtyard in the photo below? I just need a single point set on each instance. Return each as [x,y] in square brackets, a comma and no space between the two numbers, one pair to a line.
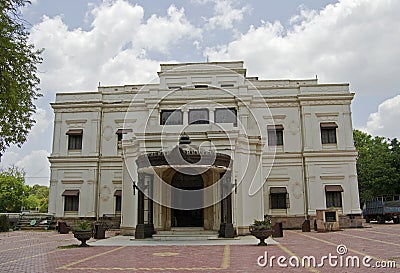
[46,252]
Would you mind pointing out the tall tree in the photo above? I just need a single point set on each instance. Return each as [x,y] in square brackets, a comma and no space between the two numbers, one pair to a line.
[15,195]
[13,190]
[395,150]
[41,193]
[377,173]
[18,79]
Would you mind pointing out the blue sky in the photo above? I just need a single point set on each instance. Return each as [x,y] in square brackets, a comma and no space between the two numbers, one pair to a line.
[123,42]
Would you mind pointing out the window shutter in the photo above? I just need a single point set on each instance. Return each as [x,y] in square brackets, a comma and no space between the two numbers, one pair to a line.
[71,193]
[277,190]
[329,125]
[74,132]
[330,188]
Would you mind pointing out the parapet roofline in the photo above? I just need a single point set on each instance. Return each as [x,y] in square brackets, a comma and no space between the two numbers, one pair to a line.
[228,64]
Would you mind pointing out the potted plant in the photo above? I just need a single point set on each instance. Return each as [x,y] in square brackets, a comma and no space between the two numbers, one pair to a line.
[261,229]
[83,232]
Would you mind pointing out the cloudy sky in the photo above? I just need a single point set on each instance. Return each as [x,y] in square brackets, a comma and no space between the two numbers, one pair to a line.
[123,42]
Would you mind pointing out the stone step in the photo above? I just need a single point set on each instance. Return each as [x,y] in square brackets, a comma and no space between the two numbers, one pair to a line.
[185,235]
[187,229]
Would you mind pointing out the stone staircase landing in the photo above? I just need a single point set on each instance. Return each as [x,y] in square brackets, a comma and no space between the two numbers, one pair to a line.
[186,234]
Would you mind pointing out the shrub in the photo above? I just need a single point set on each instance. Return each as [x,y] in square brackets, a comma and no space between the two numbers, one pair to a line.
[83,226]
[262,225]
[4,223]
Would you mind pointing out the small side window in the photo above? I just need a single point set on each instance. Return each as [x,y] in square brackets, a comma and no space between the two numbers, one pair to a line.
[333,195]
[328,133]
[71,200]
[75,139]
[118,201]
[275,135]
[279,198]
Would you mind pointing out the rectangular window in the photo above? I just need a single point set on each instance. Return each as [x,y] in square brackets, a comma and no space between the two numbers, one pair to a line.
[198,116]
[118,201]
[279,198]
[334,199]
[171,117]
[71,200]
[226,115]
[328,132]
[333,194]
[75,139]
[71,203]
[275,135]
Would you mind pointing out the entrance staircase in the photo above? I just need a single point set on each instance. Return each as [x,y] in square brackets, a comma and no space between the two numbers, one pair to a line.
[186,234]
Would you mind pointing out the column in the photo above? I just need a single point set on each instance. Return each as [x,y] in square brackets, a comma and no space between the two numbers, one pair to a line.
[211,115]
[226,228]
[185,116]
[145,226]
[140,229]
[149,226]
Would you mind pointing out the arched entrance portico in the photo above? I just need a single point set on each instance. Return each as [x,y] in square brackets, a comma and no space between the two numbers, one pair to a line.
[192,186]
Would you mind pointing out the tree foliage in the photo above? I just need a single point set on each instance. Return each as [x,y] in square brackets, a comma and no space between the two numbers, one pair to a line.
[378,165]
[41,196]
[12,190]
[18,81]
[15,195]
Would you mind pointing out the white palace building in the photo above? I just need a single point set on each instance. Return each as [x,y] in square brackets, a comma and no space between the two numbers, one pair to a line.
[204,147]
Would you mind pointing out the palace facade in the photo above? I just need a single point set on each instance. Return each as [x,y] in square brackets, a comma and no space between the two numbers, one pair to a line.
[207,147]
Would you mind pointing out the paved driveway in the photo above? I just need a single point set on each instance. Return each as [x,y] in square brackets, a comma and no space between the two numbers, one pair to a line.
[374,246]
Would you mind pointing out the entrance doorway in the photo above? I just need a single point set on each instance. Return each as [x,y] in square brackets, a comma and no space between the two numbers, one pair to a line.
[187,217]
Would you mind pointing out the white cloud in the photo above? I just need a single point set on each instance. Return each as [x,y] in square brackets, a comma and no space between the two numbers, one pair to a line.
[353,40]
[160,33]
[385,122]
[225,15]
[8,159]
[42,122]
[113,51]
[35,165]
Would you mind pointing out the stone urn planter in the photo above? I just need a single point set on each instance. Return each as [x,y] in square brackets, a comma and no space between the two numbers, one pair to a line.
[261,230]
[261,234]
[83,233]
